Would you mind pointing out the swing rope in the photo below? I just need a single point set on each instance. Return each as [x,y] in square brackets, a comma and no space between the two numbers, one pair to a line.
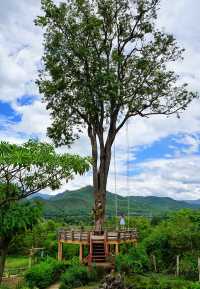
[127,180]
[115,186]
[127,174]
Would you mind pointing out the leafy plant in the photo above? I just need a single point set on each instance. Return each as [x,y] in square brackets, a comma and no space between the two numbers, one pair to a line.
[44,273]
[134,261]
[77,276]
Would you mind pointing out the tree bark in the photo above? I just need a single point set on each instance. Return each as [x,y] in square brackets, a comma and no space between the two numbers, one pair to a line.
[101,164]
[4,243]
[101,177]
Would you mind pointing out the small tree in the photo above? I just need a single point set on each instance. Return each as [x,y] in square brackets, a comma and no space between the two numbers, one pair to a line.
[105,62]
[24,170]
[28,168]
[15,219]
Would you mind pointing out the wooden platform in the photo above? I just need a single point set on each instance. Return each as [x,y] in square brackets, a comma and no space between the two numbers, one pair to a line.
[99,245]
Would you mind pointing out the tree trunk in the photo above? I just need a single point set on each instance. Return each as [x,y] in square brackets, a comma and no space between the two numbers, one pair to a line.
[3,253]
[101,164]
[101,176]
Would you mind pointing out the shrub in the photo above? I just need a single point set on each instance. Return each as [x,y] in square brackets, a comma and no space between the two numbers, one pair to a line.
[189,266]
[77,276]
[135,261]
[44,273]
[70,250]
[75,261]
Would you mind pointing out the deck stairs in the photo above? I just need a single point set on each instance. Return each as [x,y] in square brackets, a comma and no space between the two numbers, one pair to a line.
[98,253]
[98,249]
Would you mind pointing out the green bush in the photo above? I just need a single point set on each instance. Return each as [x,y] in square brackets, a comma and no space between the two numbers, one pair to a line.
[134,261]
[189,266]
[77,276]
[44,273]
[70,250]
[75,261]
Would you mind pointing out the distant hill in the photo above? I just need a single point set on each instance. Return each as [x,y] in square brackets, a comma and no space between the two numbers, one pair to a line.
[40,196]
[80,203]
[193,202]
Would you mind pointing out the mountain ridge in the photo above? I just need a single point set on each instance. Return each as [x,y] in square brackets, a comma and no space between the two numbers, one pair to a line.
[80,202]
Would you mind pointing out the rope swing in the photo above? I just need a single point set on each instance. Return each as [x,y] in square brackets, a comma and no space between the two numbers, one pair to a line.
[115,187]
[127,174]
[127,179]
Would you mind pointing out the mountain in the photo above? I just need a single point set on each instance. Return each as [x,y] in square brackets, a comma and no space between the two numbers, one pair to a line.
[40,196]
[194,202]
[79,203]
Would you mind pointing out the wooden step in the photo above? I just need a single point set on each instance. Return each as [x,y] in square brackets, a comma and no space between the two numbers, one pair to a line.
[98,260]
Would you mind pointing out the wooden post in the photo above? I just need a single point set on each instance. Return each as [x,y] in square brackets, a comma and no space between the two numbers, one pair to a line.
[30,258]
[106,244]
[90,254]
[199,267]
[154,263]
[177,265]
[117,249]
[81,253]
[60,249]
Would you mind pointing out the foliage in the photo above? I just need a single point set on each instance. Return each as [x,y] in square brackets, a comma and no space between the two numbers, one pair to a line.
[143,226]
[17,218]
[160,282]
[28,168]
[77,276]
[134,261]
[74,261]
[189,266]
[95,76]
[45,273]
[43,235]
[178,235]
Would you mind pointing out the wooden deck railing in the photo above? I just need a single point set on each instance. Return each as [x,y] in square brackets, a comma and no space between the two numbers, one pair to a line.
[84,236]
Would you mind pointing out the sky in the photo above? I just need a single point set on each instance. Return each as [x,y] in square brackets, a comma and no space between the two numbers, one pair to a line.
[163,158]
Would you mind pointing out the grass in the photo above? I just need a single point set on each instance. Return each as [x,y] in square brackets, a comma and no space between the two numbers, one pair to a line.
[90,286]
[13,262]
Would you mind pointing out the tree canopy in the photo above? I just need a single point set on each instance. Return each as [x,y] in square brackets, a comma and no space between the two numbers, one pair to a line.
[28,168]
[105,61]
[18,217]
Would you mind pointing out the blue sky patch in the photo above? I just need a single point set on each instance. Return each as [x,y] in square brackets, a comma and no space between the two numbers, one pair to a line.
[165,148]
[7,112]
[26,100]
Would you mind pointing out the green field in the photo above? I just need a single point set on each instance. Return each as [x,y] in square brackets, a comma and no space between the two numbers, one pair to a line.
[13,262]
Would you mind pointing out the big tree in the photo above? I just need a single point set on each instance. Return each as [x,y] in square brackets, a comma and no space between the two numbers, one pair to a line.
[104,62]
